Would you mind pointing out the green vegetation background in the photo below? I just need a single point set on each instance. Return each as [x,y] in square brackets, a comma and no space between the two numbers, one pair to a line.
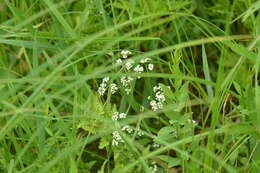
[54,54]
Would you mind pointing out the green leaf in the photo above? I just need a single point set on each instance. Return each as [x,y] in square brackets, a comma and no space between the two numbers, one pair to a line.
[166,134]
[172,162]
[104,142]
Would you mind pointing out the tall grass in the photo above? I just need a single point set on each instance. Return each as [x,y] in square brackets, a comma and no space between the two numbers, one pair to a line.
[203,57]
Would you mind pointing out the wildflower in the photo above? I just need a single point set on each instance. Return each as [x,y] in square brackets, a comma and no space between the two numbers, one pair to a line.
[103,86]
[154,105]
[106,79]
[114,143]
[119,61]
[155,145]
[115,116]
[159,96]
[160,105]
[129,64]
[125,53]
[127,90]
[118,115]
[150,67]
[127,128]
[126,80]
[101,90]
[139,69]
[145,60]
[140,133]
[113,88]
[122,115]
[117,138]
[154,167]
[157,88]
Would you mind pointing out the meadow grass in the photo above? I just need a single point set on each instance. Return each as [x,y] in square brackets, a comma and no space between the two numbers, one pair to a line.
[129,86]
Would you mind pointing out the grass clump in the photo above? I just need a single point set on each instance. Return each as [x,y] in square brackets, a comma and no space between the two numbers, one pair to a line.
[129,86]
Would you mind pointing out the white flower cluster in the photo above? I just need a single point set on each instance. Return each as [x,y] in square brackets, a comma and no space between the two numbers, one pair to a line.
[116,116]
[140,133]
[159,98]
[113,88]
[154,167]
[150,67]
[125,53]
[156,145]
[139,69]
[126,80]
[127,128]
[146,60]
[103,87]
[117,138]
[130,63]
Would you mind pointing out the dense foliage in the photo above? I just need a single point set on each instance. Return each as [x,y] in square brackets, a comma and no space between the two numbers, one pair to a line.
[129,86]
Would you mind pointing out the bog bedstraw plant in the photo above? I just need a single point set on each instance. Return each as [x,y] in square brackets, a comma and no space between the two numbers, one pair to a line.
[137,86]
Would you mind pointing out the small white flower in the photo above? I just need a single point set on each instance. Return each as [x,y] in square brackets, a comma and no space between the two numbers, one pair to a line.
[126,80]
[142,61]
[139,69]
[101,90]
[140,133]
[114,142]
[154,167]
[154,105]
[150,67]
[129,64]
[145,60]
[113,88]
[119,61]
[117,138]
[122,115]
[155,145]
[159,105]
[125,53]
[127,90]
[106,79]
[127,128]
[103,86]
[160,96]
[115,116]
[157,88]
